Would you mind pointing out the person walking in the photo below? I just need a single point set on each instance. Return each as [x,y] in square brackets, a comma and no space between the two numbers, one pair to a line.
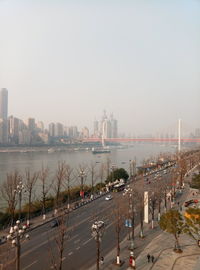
[148,257]
[152,259]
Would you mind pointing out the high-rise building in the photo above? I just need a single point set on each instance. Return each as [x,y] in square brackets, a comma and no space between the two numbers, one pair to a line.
[85,132]
[59,130]
[107,127]
[40,126]
[13,129]
[51,129]
[31,124]
[114,131]
[73,132]
[4,104]
[4,114]
[96,128]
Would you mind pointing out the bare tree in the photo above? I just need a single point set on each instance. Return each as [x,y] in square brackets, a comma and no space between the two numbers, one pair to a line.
[82,174]
[118,215]
[152,205]
[29,183]
[9,192]
[182,163]
[139,193]
[101,173]
[58,242]
[59,182]
[92,171]
[69,178]
[160,192]
[107,165]
[46,186]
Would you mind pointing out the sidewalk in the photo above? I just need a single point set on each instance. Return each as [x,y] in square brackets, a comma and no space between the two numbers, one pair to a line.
[165,258]
[139,244]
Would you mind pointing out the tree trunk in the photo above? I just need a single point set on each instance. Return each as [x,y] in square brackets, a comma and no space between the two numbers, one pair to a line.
[98,250]
[152,222]
[133,226]
[141,224]
[118,247]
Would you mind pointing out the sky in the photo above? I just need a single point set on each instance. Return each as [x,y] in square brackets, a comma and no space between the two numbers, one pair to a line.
[68,60]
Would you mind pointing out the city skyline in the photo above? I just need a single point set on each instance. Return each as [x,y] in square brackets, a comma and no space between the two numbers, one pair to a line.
[106,126]
[144,67]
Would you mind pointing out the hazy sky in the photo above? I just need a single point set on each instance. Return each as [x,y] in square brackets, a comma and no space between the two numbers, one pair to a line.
[68,60]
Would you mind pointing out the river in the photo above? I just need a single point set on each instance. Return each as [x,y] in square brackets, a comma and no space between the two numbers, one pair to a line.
[20,161]
[10,161]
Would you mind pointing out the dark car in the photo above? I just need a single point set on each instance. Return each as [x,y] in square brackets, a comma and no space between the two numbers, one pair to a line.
[187,203]
[2,239]
[55,223]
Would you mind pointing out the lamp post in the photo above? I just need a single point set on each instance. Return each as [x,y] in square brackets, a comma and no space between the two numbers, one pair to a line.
[131,217]
[15,235]
[19,190]
[97,233]
[82,175]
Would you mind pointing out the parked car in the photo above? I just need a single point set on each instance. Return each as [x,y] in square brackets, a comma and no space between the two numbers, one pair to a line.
[108,198]
[2,239]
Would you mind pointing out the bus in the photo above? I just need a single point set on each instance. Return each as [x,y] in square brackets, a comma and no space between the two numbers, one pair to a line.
[119,187]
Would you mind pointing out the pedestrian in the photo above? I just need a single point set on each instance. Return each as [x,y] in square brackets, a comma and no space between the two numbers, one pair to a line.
[148,257]
[102,260]
[152,258]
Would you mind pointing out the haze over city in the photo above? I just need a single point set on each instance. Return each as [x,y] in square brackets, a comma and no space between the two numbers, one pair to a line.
[67,61]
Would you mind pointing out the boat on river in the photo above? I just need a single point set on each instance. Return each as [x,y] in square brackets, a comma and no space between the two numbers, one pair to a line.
[100,150]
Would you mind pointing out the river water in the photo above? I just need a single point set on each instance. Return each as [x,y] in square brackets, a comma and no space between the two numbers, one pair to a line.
[120,157]
[11,161]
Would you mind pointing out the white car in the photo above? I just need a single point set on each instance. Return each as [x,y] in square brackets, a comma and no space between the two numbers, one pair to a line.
[98,225]
[108,198]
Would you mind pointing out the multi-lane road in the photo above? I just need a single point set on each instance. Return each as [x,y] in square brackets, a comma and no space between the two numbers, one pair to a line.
[80,247]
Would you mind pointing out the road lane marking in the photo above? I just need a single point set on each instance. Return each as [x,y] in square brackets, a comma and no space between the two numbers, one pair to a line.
[53,237]
[63,258]
[72,238]
[30,265]
[85,243]
[76,241]
[77,248]
[69,254]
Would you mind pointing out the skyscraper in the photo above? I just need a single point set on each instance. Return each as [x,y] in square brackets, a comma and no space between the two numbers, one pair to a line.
[4,114]
[4,104]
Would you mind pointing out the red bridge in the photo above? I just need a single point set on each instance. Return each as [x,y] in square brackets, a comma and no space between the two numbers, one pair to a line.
[142,140]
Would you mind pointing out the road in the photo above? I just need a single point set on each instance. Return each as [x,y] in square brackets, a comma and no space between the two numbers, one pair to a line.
[80,247]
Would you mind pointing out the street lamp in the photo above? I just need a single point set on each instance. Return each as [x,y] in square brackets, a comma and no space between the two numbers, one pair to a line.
[82,175]
[15,235]
[19,190]
[128,192]
[97,233]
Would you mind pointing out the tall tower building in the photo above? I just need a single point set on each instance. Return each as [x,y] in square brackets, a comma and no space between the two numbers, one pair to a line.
[51,129]
[4,104]
[4,114]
